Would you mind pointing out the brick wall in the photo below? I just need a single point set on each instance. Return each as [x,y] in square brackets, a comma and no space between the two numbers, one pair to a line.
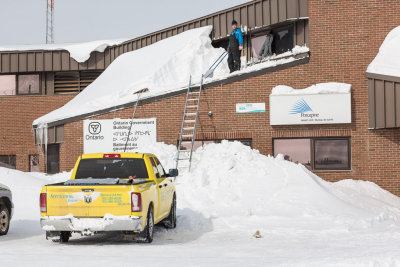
[16,116]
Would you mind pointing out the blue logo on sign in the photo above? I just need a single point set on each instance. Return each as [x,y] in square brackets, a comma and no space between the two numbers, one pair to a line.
[301,106]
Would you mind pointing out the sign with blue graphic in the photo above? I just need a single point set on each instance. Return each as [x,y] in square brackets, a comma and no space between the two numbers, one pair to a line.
[250,108]
[310,109]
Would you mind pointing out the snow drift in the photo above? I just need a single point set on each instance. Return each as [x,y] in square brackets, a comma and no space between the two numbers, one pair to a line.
[161,67]
[233,185]
[320,88]
[78,51]
[387,61]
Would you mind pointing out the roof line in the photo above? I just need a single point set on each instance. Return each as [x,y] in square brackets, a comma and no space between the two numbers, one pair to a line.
[180,92]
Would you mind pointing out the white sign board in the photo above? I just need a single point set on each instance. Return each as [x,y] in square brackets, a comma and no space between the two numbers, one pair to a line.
[105,136]
[310,109]
[250,108]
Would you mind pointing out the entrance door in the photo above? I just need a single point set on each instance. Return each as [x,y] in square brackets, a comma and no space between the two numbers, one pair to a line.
[53,158]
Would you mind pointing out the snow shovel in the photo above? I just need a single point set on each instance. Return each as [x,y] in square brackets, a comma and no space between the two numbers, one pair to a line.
[210,71]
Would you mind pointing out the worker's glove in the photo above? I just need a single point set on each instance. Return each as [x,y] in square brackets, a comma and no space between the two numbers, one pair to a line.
[240,47]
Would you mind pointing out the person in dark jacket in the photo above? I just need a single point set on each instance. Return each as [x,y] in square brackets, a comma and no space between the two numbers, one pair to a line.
[235,47]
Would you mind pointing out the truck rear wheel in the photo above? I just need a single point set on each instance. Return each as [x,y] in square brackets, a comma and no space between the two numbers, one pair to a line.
[170,221]
[146,236]
[62,238]
[4,220]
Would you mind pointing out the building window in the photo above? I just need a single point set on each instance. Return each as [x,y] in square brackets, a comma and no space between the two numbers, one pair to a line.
[8,84]
[316,153]
[53,158]
[283,39]
[28,84]
[331,154]
[294,150]
[8,161]
[34,163]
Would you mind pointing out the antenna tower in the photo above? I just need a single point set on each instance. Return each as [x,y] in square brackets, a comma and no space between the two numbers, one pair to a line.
[50,22]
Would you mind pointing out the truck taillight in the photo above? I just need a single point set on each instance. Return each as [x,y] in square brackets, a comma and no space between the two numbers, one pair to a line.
[43,202]
[111,156]
[136,202]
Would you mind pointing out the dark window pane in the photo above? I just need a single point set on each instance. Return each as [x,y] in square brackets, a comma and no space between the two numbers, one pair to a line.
[53,158]
[332,154]
[283,40]
[294,150]
[28,84]
[111,168]
[7,85]
[8,161]
[34,163]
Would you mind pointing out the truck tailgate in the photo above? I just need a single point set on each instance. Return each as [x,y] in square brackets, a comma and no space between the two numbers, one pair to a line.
[89,201]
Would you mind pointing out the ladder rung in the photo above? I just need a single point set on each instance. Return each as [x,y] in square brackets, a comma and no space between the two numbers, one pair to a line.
[183,158]
[191,106]
[186,142]
[187,135]
[190,121]
[184,151]
[188,128]
[190,114]
[194,92]
[192,99]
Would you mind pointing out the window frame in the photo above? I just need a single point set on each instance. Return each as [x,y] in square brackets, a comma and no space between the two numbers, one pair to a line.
[312,150]
[348,139]
[14,160]
[17,93]
[17,84]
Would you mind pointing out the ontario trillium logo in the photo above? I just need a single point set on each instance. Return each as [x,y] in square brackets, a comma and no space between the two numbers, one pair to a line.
[300,107]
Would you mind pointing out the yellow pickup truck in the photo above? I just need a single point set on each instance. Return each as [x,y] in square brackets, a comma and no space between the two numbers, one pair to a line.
[126,193]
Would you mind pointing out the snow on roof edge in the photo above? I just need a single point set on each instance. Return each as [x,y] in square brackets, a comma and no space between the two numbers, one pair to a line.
[387,61]
[320,88]
[78,51]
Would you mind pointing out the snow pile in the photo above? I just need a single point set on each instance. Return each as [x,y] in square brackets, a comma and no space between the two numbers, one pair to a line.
[387,61]
[78,51]
[231,180]
[25,189]
[320,88]
[161,67]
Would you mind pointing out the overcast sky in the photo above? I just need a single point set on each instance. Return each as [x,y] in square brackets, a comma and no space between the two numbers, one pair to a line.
[24,21]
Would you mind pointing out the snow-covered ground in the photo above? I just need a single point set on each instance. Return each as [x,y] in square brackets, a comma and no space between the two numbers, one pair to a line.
[232,192]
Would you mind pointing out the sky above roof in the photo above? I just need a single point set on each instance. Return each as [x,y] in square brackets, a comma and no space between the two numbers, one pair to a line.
[24,21]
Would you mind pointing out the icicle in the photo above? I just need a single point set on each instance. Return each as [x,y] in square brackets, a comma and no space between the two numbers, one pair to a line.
[42,130]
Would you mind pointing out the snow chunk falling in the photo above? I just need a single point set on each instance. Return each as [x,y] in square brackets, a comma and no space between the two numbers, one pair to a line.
[78,51]
[387,61]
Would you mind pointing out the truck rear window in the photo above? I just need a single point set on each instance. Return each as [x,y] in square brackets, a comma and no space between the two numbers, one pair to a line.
[111,168]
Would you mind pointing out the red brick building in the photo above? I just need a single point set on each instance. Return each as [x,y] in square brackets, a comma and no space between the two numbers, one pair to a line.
[343,38]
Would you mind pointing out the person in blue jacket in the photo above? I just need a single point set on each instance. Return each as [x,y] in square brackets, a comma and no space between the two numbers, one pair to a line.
[235,47]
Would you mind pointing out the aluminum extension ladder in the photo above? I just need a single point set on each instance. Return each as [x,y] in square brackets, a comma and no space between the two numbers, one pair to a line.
[189,124]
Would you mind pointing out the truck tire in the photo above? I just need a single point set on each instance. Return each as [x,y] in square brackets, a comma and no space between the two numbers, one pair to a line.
[63,237]
[4,220]
[170,221]
[146,236]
